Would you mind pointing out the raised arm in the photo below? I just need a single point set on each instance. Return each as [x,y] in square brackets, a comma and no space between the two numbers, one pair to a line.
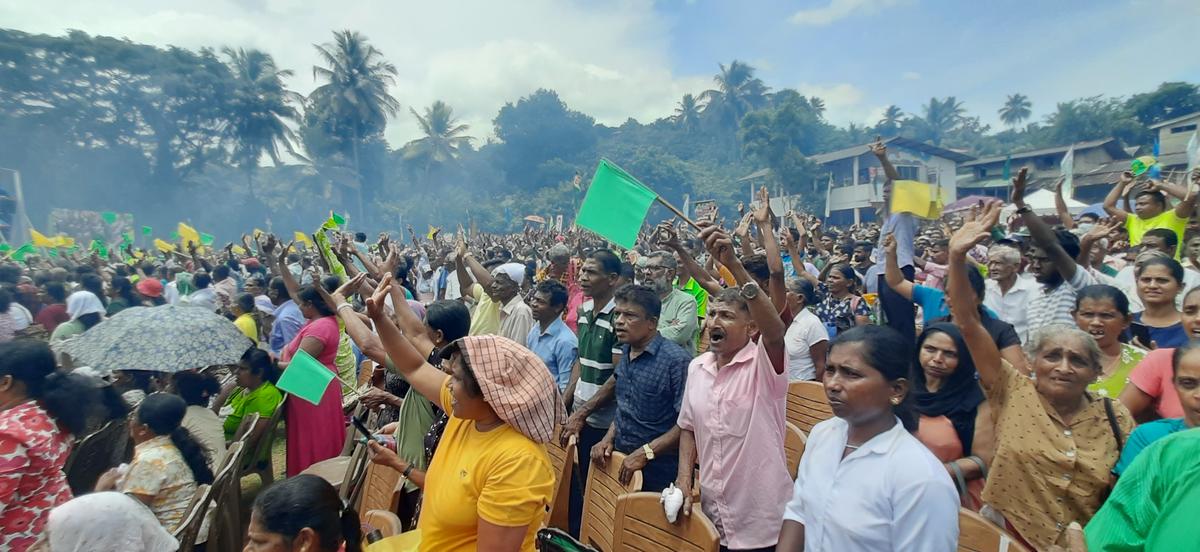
[1115,194]
[669,238]
[797,260]
[766,317]
[1041,232]
[409,362]
[880,150]
[358,331]
[280,263]
[1187,207]
[1060,205]
[962,298]
[895,278]
[762,218]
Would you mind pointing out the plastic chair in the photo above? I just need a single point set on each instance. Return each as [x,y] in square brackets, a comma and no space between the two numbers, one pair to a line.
[807,405]
[977,534]
[386,522]
[94,455]
[380,488]
[641,525]
[260,443]
[600,502]
[794,441]
[225,527]
[245,429]
[562,461]
[189,529]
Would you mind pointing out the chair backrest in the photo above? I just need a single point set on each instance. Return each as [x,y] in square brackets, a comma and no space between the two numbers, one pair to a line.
[263,438]
[245,430]
[641,525]
[189,528]
[600,501]
[794,441]
[356,470]
[807,405]
[351,433]
[94,455]
[562,461]
[225,531]
[380,488]
[977,534]
[386,522]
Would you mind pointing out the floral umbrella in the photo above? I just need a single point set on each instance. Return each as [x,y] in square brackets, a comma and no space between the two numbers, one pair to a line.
[168,338]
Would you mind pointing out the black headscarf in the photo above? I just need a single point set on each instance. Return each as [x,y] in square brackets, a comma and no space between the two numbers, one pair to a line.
[959,397]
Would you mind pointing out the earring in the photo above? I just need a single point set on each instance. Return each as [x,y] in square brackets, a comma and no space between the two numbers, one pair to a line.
[895,401]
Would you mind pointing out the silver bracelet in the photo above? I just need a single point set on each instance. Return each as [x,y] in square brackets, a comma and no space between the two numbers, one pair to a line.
[345,305]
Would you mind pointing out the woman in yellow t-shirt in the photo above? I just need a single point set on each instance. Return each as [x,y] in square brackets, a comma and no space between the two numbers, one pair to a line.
[490,479]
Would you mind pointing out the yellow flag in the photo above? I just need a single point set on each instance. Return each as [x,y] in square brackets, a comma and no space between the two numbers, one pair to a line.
[163,246]
[188,234]
[920,199]
[258,233]
[302,238]
[64,241]
[40,240]
[433,231]
[238,249]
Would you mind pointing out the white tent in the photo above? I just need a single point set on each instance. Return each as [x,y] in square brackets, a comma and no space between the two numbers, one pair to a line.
[1042,202]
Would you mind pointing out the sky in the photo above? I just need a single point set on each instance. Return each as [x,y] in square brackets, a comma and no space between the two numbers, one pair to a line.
[618,59]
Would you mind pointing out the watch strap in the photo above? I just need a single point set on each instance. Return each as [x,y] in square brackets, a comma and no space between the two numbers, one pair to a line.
[649,452]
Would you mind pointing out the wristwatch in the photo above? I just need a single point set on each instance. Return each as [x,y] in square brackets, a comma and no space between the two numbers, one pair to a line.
[750,291]
[1024,209]
[407,471]
[649,452]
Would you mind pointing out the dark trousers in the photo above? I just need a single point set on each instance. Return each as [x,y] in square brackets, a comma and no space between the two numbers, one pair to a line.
[898,310]
[588,437]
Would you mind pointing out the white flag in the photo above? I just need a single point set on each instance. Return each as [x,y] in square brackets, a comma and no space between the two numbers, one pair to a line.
[1193,153]
[1068,171]
[828,194]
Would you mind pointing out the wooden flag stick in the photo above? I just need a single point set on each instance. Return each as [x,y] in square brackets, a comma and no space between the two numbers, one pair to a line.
[677,212]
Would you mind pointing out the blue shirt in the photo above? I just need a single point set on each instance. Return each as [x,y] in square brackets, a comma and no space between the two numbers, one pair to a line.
[288,321]
[557,347]
[649,392]
[1141,438]
[933,303]
[1167,337]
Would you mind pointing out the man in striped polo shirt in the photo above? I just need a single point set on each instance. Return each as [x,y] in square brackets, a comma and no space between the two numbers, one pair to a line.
[590,395]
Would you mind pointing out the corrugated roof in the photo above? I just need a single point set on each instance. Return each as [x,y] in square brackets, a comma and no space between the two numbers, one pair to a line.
[1178,119]
[1035,153]
[760,173]
[855,151]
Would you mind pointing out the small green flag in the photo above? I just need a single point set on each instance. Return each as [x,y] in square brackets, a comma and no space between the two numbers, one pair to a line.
[615,205]
[52,252]
[5,248]
[20,253]
[206,239]
[305,377]
[339,219]
[109,217]
[126,238]
[98,247]
[174,235]
[146,231]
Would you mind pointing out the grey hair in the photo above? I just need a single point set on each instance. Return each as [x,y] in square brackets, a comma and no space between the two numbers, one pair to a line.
[1007,253]
[1038,339]
[558,251]
[667,258]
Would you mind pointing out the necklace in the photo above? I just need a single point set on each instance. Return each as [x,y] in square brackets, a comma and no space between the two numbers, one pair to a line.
[852,447]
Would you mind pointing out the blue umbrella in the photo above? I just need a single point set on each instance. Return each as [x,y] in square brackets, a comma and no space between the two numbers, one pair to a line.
[168,338]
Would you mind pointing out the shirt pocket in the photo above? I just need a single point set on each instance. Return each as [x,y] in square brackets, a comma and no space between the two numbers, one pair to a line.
[734,414]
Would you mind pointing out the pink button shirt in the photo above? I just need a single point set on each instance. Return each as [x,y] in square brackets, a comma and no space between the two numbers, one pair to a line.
[738,413]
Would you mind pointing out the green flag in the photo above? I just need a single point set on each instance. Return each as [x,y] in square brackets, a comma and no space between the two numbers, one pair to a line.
[98,247]
[109,217]
[339,219]
[126,238]
[206,239]
[305,377]
[146,231]
[19,253]
[615,205]
[5,248]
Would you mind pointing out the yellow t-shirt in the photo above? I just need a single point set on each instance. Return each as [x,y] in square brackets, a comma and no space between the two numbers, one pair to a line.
[1138,227]
[485,319]
[246,323]
[501,476]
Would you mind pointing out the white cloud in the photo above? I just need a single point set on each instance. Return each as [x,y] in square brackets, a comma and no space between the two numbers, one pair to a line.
[610,61]
[911,76]
[844,103]
[839,9]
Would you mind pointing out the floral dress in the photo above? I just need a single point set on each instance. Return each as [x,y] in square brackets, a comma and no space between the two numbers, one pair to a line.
[838,315]
[33,451]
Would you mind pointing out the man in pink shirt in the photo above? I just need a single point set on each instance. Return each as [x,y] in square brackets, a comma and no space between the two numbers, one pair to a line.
[733,412]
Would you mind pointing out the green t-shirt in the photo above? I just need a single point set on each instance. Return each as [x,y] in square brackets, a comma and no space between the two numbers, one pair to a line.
[264,400]
[701,297]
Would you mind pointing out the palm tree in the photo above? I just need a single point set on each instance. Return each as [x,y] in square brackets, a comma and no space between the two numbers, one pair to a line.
[355,90]
[261,109]
[738,92]
[687,113]
[891,117]
[818,106]
[443,136]
[1016,110]
[941,117]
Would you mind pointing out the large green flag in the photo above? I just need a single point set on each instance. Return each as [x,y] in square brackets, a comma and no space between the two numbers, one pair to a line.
[305,377]
[19,253]
[615,205]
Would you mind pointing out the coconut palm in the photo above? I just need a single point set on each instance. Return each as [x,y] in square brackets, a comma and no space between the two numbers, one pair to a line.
[940,118]
[818,106]
[1016,110]
[738,92]
[687,113]
[355,93]
[443,136]
[892,117]
[261,109]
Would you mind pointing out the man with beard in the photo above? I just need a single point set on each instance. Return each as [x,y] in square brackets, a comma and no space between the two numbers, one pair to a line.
[678,321]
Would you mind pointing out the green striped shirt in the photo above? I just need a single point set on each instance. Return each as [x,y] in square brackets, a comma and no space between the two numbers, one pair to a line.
[597,343]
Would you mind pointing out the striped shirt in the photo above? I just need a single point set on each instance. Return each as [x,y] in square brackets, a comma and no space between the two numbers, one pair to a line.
[1049,306]
[597,344]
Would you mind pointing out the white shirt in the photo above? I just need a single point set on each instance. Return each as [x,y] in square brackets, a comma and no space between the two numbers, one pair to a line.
[20,315]
[1012,307]
[205,298]
[806,330]
[889,494]
[516,318]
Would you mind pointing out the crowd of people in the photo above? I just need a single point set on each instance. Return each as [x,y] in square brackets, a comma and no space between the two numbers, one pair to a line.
[1044,374]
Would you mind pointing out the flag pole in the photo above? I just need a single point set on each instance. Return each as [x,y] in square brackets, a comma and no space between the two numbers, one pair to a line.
[677,212]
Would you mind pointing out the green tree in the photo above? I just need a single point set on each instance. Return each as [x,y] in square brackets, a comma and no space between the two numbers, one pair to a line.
[738,92]
[687,113]
[889,124]
[1016,110]
[1169,100]
[444,136]
[782,137]
[939,119]
[537,129]
[1092,119]
[261,111]
[354,102]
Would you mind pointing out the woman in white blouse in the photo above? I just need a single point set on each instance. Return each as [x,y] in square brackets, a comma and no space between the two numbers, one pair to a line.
[864,482]
[807,339]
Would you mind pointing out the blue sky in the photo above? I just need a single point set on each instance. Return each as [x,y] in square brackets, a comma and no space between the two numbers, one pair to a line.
[616,59]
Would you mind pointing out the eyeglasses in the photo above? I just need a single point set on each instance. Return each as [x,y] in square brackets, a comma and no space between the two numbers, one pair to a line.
[653,269]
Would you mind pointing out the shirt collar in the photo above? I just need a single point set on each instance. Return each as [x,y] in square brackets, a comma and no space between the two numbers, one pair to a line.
[555,328]
[511,305]
[745,356]
[879,444]
[651,349]
[155,442]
